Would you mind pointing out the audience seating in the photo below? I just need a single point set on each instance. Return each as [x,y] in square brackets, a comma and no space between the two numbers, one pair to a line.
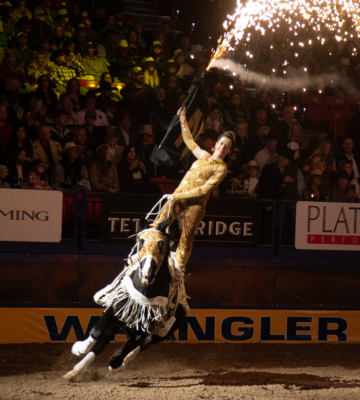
[316,114]
[352,103]
[333,100]
[330,108]
[311,99]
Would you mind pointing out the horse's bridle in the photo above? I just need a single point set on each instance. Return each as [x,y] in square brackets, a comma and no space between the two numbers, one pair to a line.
[166,239]
[137,247]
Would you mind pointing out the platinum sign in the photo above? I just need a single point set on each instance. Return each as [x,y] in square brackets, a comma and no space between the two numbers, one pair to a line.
[327,226]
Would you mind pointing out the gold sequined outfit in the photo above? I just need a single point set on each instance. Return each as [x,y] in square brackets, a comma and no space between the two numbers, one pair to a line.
[191,197]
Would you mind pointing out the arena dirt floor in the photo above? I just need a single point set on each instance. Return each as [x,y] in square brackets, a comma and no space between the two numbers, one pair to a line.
[179,371]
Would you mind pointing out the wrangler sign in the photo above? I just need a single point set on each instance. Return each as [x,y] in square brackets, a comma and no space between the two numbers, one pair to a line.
[40,325]
[327,226]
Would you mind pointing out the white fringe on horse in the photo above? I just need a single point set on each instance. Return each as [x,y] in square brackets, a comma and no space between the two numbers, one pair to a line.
[139,312]
[149,315]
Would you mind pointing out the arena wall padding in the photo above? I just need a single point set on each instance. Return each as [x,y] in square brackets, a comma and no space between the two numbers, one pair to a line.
[245,283]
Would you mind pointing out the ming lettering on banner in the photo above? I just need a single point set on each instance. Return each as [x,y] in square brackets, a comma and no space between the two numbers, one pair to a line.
[30,215]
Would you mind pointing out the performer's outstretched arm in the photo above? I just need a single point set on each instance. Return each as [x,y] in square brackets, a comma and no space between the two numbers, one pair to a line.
[187,136]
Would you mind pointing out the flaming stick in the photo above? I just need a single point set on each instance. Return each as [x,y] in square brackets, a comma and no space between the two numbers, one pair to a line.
[336,18]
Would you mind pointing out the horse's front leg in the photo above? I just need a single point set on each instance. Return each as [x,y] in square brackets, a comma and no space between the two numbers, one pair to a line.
[128,352]
[106,321]
[100,337]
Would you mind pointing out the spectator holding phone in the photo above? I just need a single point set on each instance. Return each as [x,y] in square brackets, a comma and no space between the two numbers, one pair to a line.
[314,190]
[343,192]
[133,175]
[70,173]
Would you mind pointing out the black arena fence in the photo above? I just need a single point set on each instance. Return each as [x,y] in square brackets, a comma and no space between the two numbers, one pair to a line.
[81,232]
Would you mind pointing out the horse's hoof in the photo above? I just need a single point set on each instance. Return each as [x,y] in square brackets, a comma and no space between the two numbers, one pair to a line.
[82,348]
[130,357]
[120,369]
[80,367]
[72,375]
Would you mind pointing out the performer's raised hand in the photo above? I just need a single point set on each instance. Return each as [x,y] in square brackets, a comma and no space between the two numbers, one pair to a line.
[187,136]
[182,114]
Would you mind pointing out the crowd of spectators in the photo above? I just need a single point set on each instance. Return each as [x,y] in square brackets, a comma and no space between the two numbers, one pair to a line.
[79,89]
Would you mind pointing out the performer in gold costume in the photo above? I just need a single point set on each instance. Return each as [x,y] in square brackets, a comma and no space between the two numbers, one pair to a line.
[194,191]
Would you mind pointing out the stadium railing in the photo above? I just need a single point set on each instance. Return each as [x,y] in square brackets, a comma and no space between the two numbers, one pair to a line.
[91,244]
[81,235]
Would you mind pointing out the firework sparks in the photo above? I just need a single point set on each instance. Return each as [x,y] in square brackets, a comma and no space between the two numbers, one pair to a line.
[337,18]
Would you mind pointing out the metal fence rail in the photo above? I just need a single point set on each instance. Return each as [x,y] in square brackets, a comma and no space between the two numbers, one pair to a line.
[81,235]
[90,235]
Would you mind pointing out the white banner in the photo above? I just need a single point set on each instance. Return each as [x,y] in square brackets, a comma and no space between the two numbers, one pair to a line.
[30,215]
[327,226]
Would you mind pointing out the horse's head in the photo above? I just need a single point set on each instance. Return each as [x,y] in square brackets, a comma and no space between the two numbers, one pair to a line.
[153,245]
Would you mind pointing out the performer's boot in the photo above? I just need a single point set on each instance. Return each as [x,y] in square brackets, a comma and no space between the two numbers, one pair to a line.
[182,257]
